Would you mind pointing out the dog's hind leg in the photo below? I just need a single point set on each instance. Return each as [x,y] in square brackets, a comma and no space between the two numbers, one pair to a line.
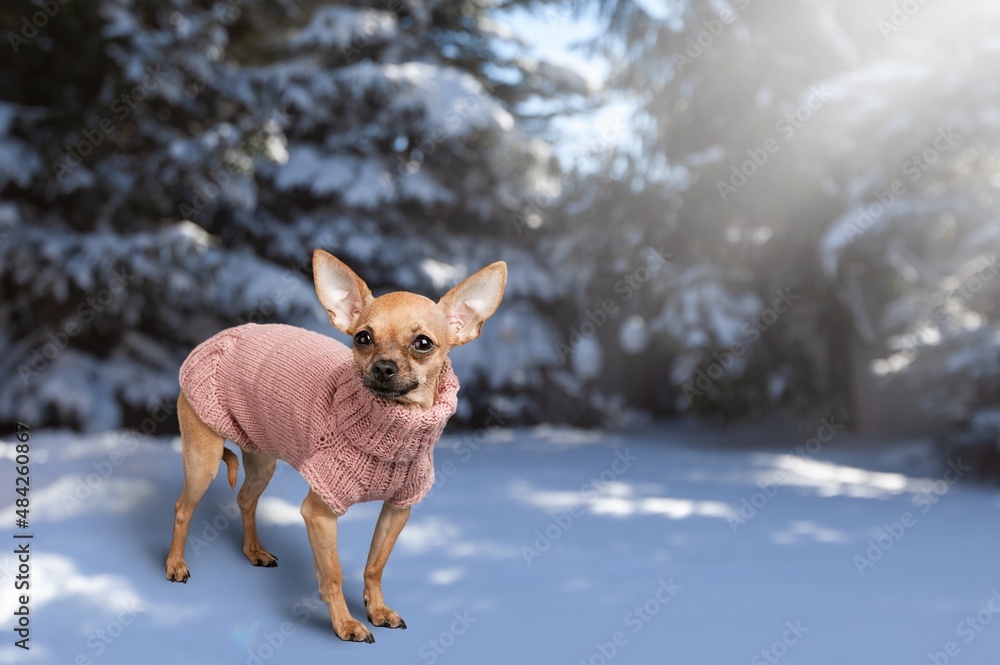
[258,468]
[202,451]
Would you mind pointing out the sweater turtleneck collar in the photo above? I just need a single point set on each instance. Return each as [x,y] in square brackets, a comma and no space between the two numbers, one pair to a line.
[383,429]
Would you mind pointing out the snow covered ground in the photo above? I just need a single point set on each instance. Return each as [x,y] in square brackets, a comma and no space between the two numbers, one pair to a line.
[539,546]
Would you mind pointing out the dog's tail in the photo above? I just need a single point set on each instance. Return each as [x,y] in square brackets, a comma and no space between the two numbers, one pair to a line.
[232,465]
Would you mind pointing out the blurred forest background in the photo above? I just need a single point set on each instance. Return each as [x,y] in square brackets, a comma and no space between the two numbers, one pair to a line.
[732,208]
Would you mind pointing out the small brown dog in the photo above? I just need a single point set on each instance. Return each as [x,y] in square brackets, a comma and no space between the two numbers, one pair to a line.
[401,342]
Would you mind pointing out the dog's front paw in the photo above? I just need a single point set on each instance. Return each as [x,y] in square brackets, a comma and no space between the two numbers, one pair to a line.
[383,617]
[353,630]
[178,571]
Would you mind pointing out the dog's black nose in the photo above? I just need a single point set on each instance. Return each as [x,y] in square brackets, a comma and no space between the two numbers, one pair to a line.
[384,370]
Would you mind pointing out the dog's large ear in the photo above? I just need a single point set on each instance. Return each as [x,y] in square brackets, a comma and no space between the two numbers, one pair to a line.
[340,290]
[473,301]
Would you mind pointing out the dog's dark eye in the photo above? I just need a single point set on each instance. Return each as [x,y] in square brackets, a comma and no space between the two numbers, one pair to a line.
[422,344]
[363,338]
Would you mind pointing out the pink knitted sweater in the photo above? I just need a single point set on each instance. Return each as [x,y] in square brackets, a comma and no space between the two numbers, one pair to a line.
[296,394]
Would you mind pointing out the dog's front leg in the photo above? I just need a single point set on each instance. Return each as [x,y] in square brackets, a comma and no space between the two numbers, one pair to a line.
[391,521]
[321,525]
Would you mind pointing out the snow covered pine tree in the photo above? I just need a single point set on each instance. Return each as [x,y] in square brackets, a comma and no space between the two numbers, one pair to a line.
[173,171]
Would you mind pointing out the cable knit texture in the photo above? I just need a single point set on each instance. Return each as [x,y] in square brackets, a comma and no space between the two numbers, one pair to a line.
[293,393]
